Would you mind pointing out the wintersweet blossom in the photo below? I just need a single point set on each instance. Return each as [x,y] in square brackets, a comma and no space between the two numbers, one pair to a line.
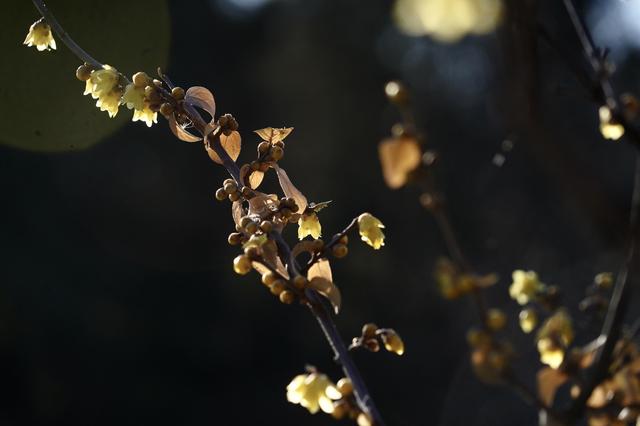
[554,337]
[134,99]
[40,36]
[308,224]
[104,85]
[370,230]
[313,391]
[525,286]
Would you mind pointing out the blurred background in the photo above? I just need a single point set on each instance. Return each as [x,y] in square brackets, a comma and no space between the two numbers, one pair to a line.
[118,303]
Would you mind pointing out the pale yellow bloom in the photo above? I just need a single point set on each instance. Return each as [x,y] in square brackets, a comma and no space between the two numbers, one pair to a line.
[313,391]
[525,286]
[528,320]
[103,85]
[554,336]
[447,20]
[308,224]
[40,36]
[370,230]
[134,99]
[609,128]
[393,342]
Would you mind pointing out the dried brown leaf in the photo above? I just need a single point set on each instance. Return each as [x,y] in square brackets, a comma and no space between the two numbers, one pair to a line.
[274,135]
[549,380]
[399,156]
[329,290]
[322,269]
[290,190]
[270,256]
[255,179]
[301,247]
[202,98]
[180,133]
[263,204]
[237,212]
[232,144]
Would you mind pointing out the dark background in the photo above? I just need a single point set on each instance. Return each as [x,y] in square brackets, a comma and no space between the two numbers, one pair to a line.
[118,303]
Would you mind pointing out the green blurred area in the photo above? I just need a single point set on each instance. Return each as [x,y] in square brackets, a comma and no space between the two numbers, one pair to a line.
[41,101]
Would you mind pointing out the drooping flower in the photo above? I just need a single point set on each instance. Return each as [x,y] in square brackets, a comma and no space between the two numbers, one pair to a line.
[104,85]
[525,286]
[309,224]
[40,36]
[609,127]
[134,99]
[370,230]
[313,391]
[528,320]
[553,338]
[392,341]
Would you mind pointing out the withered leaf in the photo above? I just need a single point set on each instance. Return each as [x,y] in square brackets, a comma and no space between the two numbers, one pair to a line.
[398,156]
[181,133]
[289,189]
[237,212]
[255,179]
[322,269]
[301,247]
[270,256]
[231,144]
[549,380]
[263,204]
[274,135]
[202,98]
[329,290]
[245,169]
[316,207]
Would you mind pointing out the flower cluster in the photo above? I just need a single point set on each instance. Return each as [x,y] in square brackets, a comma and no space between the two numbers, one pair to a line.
[372,336]
[315,392]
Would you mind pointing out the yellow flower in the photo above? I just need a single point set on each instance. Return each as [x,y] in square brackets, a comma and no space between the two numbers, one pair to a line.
[554,336]
[313,391]
[40,36]
[528,320]
[392,341]
[525,286]
[609,128]
[308,224]
[134,99]
[104,86]
[370,230]
[447,20]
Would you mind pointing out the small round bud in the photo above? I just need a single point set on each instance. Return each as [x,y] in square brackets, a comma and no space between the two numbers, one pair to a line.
[255,165]
[318,245]
[396,93]
[372,345]
[344,239]
[151,94]
[245,221]
[230,187]
[154,106]
[266,226]
[364,420]
[246,191]
[369,330]
[340,250]
[252,252]
[234,238]
[157,82]
[166,109]
[528,320]
[604,280]
[496,319]
[345,387]
[141,79]
[286,213]
[277,287]
[242,264]
[177,93]
[83,73]
[279,144]
[287,297]
[251,228]
[477,338]
[392,342]
[264,167]
[263,147]
[268,278]
[300,282]
[234,197]
[221,194]
[340,409]
[277,153]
